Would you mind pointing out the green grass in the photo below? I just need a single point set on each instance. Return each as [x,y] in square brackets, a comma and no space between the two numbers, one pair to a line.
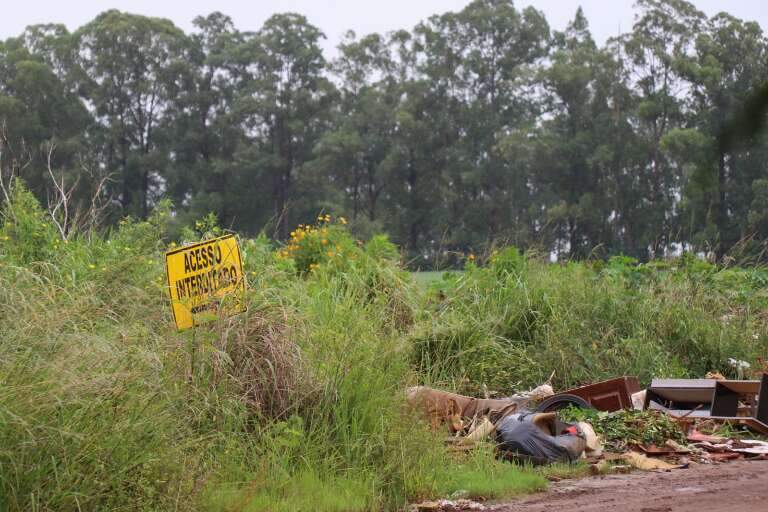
[304,491]
[480,476]
[425,278]
[298,404]
[563,471]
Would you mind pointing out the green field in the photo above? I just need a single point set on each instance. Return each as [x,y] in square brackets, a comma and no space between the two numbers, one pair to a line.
[298,403]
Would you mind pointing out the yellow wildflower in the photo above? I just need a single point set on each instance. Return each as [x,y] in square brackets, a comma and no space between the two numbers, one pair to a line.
[342,220]
[471,257]
[91,266]
[330,254]
[324,241]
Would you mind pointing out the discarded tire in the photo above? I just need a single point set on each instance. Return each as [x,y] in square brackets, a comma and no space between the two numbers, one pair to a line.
[557,402]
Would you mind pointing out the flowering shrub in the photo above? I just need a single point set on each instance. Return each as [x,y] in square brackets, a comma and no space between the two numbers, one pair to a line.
[326,243]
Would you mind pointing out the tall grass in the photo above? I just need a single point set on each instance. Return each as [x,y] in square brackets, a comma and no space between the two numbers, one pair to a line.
[295,405]
[509,326]
[298,403]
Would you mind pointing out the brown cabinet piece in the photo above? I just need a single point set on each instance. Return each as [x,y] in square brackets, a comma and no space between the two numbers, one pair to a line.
[609,395]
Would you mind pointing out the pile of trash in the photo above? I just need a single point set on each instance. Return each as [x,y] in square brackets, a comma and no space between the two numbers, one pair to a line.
[613,425]
[671,424]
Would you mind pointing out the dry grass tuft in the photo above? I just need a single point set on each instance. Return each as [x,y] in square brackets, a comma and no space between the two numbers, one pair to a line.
[267,366]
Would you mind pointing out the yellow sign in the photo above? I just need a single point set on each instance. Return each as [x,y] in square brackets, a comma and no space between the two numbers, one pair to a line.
[205,281]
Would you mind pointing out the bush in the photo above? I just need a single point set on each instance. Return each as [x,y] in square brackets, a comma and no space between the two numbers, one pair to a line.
[26,233]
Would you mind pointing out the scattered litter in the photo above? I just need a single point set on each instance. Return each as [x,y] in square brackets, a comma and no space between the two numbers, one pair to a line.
[640,461]
[442,407]
[677,447]
[672,424]
[697,437]
[669,448]
[711,447]
[447,506]
[735,401]
[753,447]
[638,400]
[536,394]
[721,457]
[758,450]
[479,431]
[739,366]
[608,395]
[594,447]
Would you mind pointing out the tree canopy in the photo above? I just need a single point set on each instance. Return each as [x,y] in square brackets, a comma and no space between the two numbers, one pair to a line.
[474,127]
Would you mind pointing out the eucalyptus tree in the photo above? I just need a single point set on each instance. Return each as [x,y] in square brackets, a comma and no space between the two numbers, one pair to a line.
[285,106]
[657,49]
[479,63]
[568,178]
[205,133]
[40,116]
[728,65]
[129,70]
[356,154]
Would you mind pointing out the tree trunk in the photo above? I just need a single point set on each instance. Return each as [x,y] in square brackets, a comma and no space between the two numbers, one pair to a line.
[722,209]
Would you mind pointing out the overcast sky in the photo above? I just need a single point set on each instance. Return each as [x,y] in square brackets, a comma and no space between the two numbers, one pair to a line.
[334,17]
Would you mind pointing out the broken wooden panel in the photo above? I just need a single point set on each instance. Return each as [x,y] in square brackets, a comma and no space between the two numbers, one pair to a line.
[609,395]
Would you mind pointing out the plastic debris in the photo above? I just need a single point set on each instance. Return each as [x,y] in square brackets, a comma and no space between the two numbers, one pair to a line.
[539,438]
[638,400]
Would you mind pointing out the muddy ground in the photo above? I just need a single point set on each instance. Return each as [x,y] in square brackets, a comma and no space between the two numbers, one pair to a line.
[733,487]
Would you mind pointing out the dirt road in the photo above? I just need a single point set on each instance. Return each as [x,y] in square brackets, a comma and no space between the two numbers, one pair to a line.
[734,487]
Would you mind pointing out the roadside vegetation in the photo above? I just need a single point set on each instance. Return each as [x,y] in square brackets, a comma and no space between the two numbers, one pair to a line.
[298,404]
